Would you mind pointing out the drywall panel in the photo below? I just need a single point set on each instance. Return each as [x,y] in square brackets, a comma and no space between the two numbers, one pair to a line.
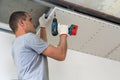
[80,66]
[104,42]
[115,54]
[94,36]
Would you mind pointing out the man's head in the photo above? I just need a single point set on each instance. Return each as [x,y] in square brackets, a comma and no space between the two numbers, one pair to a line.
[21,21]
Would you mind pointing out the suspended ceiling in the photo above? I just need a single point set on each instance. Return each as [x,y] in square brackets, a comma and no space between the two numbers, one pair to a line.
[94,36]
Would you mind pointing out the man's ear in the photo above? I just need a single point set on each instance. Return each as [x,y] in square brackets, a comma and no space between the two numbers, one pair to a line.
[21,23]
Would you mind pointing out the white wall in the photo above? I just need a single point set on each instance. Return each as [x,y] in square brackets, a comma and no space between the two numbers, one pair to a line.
[7,67]
[81,66]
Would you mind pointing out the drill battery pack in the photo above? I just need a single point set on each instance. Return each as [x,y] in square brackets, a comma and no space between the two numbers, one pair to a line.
[72,30]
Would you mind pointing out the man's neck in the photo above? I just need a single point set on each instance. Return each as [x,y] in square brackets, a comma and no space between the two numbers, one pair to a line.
[19,33]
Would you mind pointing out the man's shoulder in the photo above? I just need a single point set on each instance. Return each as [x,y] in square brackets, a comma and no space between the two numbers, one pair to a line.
[27,36]
[30,35]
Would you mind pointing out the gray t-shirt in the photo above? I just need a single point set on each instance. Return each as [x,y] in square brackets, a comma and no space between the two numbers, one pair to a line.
[28,57]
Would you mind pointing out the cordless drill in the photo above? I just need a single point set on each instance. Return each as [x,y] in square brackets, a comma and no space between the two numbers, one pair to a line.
[72,30]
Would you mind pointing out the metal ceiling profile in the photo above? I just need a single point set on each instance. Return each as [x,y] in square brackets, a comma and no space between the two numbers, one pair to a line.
[5,27]
[81,9]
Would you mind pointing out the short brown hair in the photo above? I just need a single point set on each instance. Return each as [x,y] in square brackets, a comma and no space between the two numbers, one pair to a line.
[13,20]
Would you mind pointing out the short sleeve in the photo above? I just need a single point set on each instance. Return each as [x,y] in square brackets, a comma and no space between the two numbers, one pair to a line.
[32,41]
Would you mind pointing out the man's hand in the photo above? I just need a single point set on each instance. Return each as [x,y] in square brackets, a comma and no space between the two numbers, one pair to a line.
[43,21]
[62,29]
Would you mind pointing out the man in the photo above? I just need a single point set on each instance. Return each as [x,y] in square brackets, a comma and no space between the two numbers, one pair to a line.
[30,51]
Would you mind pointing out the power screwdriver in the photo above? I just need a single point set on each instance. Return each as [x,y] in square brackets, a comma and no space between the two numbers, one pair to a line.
[72,30]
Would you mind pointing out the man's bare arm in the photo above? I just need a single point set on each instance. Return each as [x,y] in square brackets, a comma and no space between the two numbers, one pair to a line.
[59,52]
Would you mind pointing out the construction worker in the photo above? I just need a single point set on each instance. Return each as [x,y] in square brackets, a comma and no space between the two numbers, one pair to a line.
[30,51]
